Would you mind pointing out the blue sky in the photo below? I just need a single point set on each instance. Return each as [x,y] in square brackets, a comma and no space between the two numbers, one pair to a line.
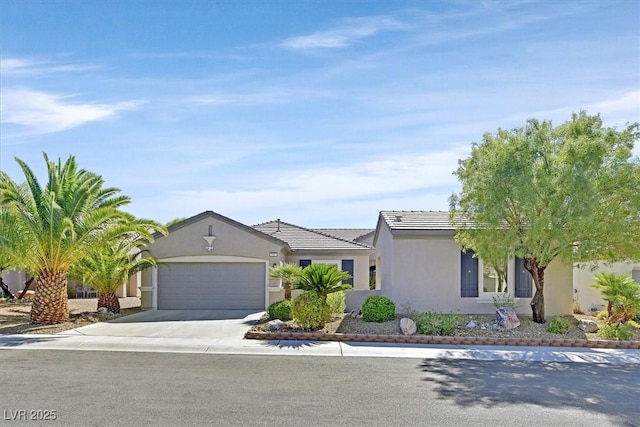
[319,113]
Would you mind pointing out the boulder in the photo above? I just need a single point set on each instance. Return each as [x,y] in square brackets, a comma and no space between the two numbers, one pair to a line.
[103,310]
[276,325]
[471,324]
[507,318]
[408,326]
[588,325]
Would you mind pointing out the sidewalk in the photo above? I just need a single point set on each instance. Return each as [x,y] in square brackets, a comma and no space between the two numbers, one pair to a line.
[74,340]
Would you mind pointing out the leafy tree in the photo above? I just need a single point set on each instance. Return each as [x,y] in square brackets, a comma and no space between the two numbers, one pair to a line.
[109,266]
[58,224]
[542,193]
[289,274]
[323,279]
[174,221]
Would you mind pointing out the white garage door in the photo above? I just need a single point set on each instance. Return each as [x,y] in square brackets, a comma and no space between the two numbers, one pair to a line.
[211,286]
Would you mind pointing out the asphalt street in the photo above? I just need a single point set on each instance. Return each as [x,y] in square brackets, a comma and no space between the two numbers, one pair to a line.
[119,388]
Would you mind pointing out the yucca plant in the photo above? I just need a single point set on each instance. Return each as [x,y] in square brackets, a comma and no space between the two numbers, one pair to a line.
[323,279]
[289,274]
[622,295]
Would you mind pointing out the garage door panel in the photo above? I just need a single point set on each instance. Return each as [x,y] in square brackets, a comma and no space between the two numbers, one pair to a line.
[211,286]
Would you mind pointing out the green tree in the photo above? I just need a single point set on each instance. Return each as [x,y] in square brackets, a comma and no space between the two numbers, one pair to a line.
[543,193]
[289,274]
[109,266]
[58,224]
[323,279]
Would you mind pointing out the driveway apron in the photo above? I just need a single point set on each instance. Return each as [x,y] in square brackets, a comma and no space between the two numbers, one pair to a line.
[199,324]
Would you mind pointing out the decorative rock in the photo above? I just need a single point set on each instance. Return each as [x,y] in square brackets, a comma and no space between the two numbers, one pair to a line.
[103,310]
[507,318]
[588,325]
[355,314]
[471,324]
[408,326]
[276,325]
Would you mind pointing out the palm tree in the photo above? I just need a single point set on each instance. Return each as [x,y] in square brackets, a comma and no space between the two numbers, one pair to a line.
[622,295]
[323,279]
[109,266]
[289,274]
[58,225]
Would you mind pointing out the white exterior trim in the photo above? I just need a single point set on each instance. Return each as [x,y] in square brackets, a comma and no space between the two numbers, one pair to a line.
[212,258]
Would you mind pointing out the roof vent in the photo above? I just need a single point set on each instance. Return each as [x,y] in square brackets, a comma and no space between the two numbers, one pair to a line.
[398,218]
[278,225]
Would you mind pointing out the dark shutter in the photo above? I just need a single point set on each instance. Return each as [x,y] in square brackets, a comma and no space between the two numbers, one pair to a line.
[468,274]
[524,281]
[347,265]
[305,262]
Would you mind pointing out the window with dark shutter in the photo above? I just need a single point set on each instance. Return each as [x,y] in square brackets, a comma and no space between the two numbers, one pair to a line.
[347,265]
[524,281]
[305,262]
[468,274]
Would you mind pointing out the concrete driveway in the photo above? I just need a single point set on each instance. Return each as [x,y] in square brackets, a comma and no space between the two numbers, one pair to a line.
[200,324]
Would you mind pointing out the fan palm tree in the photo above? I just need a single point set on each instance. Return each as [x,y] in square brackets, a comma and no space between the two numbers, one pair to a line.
[58,224]
[289,274]
[323,279]
[108,267]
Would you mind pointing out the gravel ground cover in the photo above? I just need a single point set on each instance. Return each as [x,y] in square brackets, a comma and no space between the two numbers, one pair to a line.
[14,316]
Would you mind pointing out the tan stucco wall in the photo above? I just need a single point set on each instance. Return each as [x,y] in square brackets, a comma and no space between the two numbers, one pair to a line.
[584,277]
[230,240]
[424,271]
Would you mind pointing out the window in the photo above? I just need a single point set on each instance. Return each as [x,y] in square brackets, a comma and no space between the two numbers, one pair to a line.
[481,280]
[344,265]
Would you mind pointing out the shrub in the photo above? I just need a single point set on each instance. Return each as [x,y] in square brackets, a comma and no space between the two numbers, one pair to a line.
[437,323]
[503,300]
[559,325]
[280,310]
[310,311]
[337,302]
[622,295]
[377,308]
[602,315]
[616,331]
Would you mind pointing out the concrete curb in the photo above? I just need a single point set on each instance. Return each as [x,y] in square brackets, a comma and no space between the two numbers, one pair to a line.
[450,340]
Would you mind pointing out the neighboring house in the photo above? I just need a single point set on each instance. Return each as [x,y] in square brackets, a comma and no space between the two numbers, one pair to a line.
[590,299]
[210,261]
[418,262]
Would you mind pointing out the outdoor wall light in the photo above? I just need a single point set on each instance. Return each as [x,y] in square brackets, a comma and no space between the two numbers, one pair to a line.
[209,240]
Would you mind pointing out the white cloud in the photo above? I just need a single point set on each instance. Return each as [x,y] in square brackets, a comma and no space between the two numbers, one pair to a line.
[397,178]
[21,66]
[345,34]
[43,112]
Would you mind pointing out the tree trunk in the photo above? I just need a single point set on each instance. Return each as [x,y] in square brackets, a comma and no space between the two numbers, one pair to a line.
[110,301]
[537,302]
[287,291]
[5,289]
[27,285]
[50,305]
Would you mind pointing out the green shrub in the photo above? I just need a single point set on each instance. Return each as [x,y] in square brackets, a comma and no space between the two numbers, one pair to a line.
[617,331]
[559,325]
[503,300]
[310,311]
[377,308]
[337,302]
[437,323]
[280,310]
[602,315]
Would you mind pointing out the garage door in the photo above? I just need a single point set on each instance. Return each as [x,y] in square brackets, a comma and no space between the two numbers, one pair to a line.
[211,286]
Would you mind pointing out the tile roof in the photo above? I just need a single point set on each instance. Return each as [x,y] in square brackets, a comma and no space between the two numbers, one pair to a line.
[350,234]
[417,220]
[300,238]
